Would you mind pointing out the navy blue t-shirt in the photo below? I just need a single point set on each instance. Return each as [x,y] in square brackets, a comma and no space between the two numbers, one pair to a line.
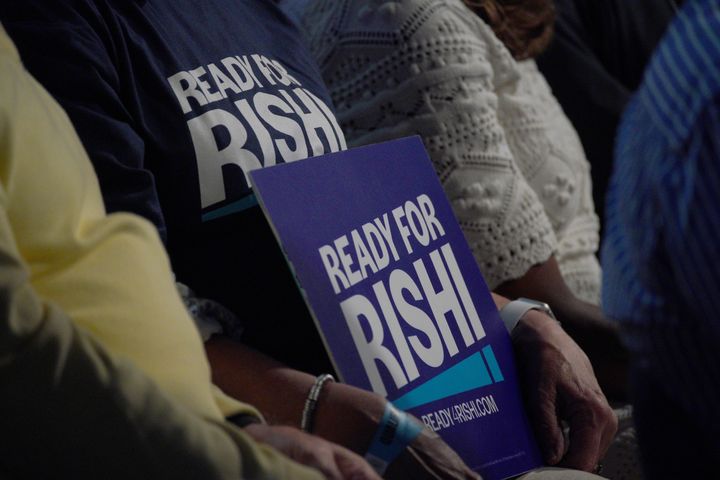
[175,101]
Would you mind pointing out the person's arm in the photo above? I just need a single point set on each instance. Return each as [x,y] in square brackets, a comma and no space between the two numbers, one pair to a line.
[661,257]
[69,50]
[559,385]
[584,322]
[500,214]
[114,422]
[332,460]
[70,408]
[345,415]
[66,49]
[556,377]
[452,103]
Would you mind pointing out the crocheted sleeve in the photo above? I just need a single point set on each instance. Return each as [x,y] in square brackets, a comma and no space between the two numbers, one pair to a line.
[431,67]
[550,156]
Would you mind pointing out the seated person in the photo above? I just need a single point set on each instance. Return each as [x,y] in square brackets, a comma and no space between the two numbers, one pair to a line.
[175,104]
[103,373]
[508,158]
[660,254]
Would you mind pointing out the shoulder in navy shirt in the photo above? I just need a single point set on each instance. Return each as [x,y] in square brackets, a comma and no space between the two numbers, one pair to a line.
[176,101]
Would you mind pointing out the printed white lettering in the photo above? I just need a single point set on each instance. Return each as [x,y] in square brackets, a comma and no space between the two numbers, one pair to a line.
[377,246]
[428,210]
[261,133]
[364,258]
[244,62]
[223,82]
[287,126]
[332,267]
[243,79]
[197,74]
[331,117]
[433,354]
[395,331]
[384,226]
[263,102]
[262,66]
[211,158]
[185,86]
[371,350]
[313,120]
[416,221]
[443,301]
[398,214]
[346,260]
[459,281]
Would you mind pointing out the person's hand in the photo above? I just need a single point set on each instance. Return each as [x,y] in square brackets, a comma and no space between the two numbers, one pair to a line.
[350,416]
[429,458]
[584,322]
[559,385]
[333,461]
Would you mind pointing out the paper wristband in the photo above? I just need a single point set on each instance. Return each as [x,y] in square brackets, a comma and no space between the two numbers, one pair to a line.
[395,432]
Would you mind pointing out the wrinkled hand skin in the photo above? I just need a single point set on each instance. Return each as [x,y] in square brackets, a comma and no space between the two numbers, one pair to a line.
[333,461]
[428,457]
[558,382]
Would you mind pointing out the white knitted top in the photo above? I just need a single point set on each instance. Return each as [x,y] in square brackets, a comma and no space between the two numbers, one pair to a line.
[511,163]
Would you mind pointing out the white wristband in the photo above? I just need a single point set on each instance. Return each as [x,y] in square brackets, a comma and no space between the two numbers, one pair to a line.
[512,313]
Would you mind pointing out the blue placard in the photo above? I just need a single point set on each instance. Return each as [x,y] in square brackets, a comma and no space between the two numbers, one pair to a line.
[398,298]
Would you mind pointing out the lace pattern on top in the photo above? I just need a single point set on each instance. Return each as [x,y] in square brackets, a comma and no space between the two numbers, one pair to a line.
[509,160]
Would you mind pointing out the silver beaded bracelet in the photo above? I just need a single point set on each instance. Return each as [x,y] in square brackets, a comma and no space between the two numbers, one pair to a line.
[306,424]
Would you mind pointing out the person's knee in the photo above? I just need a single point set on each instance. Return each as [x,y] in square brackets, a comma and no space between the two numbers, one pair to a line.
[552,473]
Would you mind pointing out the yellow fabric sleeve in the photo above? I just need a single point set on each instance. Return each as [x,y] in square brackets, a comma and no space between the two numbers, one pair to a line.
[71,410]
[110,274]
[102,371]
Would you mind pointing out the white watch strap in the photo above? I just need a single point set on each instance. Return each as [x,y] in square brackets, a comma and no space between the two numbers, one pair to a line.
[514,311]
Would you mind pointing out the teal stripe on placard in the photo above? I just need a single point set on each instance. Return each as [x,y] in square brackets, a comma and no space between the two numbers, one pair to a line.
[235,207]
[467,375]
[493,364]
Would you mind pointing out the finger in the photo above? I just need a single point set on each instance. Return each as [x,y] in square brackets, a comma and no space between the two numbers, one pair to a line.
[604,418]
[543,412]
[429,458]
[609,430]
[322,459]
[584,451]
[353,466]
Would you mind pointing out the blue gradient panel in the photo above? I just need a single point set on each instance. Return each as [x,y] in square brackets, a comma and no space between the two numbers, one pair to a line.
[467,375]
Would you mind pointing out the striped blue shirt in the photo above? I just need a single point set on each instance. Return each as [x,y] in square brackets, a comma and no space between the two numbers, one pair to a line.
[661,254]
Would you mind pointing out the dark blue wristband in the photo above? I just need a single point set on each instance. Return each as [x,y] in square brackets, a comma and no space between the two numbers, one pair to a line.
[396,431]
